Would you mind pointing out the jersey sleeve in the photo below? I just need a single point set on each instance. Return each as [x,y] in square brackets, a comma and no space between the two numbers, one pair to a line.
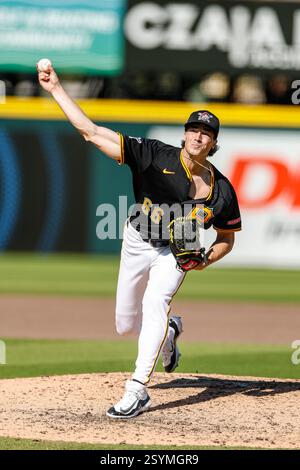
[137,152]
[230,217]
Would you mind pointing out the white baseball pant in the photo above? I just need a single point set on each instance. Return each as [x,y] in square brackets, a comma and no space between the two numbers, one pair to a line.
[148,279]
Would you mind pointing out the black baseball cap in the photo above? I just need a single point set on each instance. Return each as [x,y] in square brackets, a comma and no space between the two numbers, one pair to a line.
[204,117]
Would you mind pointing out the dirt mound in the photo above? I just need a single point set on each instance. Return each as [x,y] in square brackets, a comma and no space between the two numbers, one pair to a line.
[186,409]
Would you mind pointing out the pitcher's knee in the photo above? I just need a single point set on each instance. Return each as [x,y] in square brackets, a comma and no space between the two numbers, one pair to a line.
[125,325]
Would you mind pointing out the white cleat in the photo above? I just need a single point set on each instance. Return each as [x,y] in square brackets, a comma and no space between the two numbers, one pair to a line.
[134,402]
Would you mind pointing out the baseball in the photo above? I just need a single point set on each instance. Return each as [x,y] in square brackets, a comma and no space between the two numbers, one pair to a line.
[43,65]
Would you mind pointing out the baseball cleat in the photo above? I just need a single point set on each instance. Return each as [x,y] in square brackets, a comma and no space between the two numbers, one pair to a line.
[170,352]
[134,402]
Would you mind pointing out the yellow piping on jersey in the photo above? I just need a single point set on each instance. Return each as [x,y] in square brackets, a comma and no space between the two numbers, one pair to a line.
[122,157]
[122,149]
[188,173]
[212,183]
[212,179]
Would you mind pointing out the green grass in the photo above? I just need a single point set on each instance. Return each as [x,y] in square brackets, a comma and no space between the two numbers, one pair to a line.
[94,275]
[7,443]
[71,274]
[30,358]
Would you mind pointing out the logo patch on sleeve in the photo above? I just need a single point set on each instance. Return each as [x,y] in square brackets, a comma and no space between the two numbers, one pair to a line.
[234,221]
[138,139]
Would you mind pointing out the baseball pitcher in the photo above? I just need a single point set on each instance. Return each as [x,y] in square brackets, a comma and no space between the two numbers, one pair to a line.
[178,193]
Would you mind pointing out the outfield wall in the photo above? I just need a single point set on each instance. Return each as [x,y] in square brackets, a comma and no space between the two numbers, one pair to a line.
[53,182]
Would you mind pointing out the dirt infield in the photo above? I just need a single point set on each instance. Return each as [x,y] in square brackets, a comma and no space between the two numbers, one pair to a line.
[93,318]
[186,410]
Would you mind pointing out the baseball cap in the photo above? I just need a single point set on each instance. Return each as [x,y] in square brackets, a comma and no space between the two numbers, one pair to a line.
[204,117]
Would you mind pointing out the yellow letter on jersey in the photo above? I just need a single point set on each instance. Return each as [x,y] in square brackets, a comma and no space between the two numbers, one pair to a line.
[147,204]
[156,215]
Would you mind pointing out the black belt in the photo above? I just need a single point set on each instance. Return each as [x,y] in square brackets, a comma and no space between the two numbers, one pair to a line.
[153,242]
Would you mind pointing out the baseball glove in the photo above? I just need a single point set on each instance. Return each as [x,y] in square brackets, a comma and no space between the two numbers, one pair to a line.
[185,243]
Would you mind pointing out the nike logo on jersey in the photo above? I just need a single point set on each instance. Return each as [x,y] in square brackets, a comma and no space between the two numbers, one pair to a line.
[167,172]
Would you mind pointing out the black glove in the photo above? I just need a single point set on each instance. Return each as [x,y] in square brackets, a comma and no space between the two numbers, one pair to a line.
[185,243]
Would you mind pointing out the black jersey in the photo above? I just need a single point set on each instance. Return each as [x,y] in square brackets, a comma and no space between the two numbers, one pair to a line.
[162,180]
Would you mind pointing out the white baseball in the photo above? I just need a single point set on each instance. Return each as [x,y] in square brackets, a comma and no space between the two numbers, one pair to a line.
[43,65]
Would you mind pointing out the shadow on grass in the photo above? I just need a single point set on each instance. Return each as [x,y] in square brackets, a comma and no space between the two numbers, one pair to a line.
[216,388]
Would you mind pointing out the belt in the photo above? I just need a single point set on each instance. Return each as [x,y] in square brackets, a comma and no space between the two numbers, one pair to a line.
[153,242]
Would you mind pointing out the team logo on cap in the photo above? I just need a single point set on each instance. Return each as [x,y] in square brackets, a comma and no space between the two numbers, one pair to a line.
[204,117]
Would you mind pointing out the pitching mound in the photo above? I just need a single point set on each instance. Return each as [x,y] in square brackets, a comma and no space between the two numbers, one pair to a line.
[187,410]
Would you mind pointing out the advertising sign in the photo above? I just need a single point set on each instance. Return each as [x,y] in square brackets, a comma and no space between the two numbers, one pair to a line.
[78,37]
[226,36]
